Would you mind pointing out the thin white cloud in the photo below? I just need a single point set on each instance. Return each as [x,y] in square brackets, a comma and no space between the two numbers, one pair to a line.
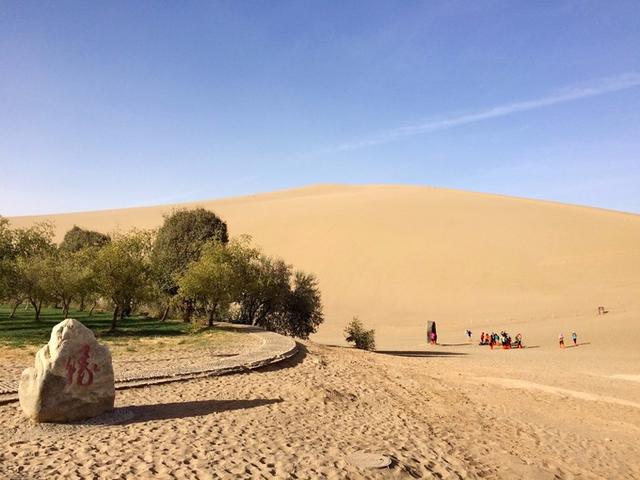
[601,87]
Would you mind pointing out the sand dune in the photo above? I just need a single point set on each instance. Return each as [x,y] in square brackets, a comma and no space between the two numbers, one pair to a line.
[399,255]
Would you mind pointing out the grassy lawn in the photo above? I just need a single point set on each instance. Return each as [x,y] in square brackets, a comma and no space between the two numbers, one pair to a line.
[23,330]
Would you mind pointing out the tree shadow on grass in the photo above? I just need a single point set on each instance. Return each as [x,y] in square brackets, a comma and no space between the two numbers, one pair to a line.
[142,332]
[170,411]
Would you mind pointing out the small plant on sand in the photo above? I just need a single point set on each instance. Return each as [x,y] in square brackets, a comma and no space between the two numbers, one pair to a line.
[356,333]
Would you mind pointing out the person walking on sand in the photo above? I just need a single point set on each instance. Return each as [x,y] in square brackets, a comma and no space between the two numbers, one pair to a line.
[574,337]
[469,335]
[561,339]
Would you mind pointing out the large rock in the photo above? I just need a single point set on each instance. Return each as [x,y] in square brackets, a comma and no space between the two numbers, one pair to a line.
[72,378]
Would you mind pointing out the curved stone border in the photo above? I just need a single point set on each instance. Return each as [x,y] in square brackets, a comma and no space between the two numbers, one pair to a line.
[275,348]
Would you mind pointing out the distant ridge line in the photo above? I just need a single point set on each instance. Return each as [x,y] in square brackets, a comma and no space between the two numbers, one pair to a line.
[311,189]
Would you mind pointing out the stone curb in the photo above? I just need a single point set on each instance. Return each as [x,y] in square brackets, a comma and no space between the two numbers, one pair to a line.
[275,348]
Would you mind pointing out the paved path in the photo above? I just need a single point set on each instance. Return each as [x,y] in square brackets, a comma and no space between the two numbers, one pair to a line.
[274,348]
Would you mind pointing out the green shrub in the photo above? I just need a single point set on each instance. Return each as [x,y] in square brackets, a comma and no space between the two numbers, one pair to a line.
[356,333]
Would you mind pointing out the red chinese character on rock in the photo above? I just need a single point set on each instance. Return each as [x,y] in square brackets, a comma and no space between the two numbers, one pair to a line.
[83,372]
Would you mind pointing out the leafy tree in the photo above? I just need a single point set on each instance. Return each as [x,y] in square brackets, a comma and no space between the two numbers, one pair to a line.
[263,286]
[10,290]
[6,239]
[356,333]
[178,243]
[6,258]
[87,289]
[269,295]
[13,293]
[78,238]
[32,281]
[24,254]
[66,277]
[210,281]
[36,240]
[302,313]
[122,272]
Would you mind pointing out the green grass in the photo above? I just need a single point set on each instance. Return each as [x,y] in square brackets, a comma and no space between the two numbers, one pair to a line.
[24,330]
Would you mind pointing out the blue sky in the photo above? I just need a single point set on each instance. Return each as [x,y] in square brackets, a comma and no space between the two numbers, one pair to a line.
[115,104]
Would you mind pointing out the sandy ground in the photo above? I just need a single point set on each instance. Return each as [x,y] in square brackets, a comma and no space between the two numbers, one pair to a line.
[447,412]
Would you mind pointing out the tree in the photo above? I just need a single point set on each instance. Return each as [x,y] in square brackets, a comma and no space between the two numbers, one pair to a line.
[33,280]
[6,259]
[36,240]
[263,286]
[9,288]
[24,253]
[269,295]
[78,249]
[78,238]
[356,333]
[83,261]
[178,243]
[122,272]
[302,313]
[6,239]
[210,281]
[66,277]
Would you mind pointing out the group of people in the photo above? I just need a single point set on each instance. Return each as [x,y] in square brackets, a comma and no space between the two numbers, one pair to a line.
[574,337]
[503,339]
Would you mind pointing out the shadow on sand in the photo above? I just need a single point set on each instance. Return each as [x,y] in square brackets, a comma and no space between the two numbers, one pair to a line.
[169,411]
[524,347]
[578,345]
[420,353]
[294,361]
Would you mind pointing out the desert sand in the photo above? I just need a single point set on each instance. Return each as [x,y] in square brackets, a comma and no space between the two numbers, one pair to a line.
[483,415]
[398,256]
